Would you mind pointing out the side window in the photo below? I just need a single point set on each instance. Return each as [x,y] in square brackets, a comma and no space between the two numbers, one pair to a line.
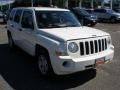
[27,20]
[17,16]
[12,15]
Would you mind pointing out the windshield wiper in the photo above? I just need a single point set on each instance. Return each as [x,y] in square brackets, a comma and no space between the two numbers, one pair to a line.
[66,25]
[60,25]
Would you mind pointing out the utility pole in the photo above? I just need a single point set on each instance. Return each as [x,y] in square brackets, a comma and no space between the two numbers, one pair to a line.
[102,4]
[50,3]
[92,4]
[80,3]
[111,4]
[9,5]
[31,3]
[66,4]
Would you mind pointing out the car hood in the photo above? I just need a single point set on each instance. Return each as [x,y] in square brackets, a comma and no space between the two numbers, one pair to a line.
[72,33]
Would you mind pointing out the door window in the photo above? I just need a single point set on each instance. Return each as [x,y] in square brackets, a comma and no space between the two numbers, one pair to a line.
[27,20]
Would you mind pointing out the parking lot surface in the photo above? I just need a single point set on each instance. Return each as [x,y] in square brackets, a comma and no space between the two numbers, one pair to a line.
[20,70]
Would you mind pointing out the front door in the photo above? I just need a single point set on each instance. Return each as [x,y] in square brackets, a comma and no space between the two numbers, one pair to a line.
[27,31]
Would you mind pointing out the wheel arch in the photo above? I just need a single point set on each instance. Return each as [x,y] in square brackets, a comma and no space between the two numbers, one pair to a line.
[40,49]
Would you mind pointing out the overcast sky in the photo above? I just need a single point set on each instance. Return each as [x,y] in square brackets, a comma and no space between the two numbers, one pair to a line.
[3,2]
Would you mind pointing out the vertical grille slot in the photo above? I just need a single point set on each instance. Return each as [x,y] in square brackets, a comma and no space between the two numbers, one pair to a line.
[96,46]
[87,48]
[92,47]
[99,42]
[81,48]
[105,44]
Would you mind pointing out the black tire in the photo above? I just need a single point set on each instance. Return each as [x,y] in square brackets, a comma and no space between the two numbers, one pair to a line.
[44,65]
[113,20]
[10,41]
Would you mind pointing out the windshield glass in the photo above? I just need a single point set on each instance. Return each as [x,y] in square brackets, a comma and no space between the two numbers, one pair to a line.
[110,11]
[56,19]
[82,11]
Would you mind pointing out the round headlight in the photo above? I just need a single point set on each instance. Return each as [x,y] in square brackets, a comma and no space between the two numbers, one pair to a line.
[73,47]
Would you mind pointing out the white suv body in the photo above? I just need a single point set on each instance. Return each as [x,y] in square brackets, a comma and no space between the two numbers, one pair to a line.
[70,49]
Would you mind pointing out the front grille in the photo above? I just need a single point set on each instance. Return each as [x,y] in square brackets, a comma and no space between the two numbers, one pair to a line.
[93,46]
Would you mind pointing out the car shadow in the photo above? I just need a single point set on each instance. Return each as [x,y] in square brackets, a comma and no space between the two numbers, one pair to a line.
[21,72]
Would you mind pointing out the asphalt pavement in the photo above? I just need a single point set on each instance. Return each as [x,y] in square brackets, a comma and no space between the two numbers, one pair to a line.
[20,72]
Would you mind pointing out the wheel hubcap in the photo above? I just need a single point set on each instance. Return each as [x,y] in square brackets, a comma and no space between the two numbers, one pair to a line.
[113,20]
[43,65]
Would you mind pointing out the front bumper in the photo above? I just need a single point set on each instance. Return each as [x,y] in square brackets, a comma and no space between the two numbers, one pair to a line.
[118,19]
[67,65]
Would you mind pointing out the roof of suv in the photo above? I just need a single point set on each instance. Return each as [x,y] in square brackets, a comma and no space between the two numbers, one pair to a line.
[43,8]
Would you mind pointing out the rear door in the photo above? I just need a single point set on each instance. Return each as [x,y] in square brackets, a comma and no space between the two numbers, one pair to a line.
[104,14]
[99,13]
[15,24]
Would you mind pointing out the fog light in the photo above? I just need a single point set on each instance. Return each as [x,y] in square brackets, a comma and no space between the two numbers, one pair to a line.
[66,64]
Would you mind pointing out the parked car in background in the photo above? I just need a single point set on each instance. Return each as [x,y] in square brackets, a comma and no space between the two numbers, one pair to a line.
[117,10]
[84,17]
[91,11]
[57,40]
[107,14]
[2,17]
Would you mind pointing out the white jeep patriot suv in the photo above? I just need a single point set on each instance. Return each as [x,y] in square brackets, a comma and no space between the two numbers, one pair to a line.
[56,38]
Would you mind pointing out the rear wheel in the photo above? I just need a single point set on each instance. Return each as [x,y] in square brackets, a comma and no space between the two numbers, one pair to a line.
[10,41]
[113,20]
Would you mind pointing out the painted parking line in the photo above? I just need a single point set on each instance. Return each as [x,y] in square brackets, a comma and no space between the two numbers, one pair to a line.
[4,85]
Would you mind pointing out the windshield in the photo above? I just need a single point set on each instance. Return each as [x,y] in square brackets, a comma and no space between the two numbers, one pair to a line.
[110,11]
[82,11]
[56,19]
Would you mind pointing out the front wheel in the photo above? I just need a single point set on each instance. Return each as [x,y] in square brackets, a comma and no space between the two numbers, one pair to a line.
[113,20]
[44,65]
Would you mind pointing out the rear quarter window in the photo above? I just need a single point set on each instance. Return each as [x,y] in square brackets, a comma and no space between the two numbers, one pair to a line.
[12,15]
